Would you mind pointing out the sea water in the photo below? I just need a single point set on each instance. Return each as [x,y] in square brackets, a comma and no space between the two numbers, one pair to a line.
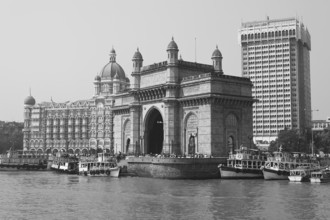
[49,195]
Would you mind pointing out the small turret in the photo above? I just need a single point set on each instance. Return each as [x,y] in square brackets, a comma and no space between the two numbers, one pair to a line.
[112,55]
[137,65]
[217,60]
[97,85]
[172,53]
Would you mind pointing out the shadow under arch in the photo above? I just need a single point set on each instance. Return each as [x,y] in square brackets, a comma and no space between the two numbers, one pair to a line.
[153,132]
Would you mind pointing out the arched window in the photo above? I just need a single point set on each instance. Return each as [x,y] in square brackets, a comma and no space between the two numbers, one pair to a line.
[191,136]
[231,132]
[126,135]
[231,120]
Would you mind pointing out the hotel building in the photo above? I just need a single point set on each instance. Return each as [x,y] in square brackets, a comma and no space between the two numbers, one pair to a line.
[276,57]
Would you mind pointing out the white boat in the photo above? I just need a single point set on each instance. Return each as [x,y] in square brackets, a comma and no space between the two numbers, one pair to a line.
[302,173]
[279,165]
[104,166]
[244,164]
[321,176]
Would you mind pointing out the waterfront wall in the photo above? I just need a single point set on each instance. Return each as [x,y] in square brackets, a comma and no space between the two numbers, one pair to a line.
[176,168]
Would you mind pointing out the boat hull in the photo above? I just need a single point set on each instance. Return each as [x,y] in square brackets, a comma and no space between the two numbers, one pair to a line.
[112,172]
[270,174]
[319,180]
[298,178]
[235,173]
[115,172]
[11,167]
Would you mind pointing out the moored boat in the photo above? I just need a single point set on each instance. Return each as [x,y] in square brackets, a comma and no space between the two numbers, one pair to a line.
[301,173]
[279,165]
[105,165]
[23,160]
[65,163]
[321,176]
[245,163]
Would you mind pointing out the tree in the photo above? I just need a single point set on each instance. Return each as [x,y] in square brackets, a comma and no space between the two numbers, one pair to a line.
[291,141]
[273,146]
[322,141]
[11,136]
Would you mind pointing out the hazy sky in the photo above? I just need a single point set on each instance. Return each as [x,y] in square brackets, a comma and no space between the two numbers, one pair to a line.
[56,48]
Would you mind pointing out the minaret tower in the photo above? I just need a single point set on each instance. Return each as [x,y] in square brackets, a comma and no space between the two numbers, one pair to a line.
[112,55]
[172,62]
[217,60]
[137,65]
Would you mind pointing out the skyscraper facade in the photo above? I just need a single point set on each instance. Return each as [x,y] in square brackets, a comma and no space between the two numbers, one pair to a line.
[276,57]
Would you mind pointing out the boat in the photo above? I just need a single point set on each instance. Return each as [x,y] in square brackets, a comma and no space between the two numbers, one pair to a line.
[245,163]
[23,160]
[321,176]
[65,163]
[106,165]
[278,166]
[302,173]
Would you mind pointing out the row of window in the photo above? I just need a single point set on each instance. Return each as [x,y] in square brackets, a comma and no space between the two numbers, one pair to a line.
[269,34]
[267,46]
[266,57]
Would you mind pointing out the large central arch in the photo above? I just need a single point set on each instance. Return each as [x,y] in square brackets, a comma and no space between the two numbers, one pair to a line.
[154,132]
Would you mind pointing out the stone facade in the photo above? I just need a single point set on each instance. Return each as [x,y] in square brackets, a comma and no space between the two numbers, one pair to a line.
[174,106]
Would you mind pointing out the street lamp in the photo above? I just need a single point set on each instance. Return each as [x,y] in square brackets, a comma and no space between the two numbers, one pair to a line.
[312,130]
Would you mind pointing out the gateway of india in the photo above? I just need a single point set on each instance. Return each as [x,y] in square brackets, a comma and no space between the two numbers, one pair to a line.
[174,106]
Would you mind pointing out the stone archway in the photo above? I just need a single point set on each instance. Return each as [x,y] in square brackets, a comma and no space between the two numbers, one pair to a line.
[84,151]
[55,151]
[77,152]
[154,132]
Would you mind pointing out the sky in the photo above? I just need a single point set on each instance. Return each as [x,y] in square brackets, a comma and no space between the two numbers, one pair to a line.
[55,48]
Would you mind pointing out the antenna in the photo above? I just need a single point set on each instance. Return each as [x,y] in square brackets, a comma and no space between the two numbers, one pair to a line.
[195,51]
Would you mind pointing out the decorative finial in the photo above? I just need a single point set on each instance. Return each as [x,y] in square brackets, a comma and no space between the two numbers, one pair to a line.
[217,46]
[172,38]
[138,49]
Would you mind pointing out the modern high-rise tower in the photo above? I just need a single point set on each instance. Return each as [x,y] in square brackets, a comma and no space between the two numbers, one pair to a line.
[276,57]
